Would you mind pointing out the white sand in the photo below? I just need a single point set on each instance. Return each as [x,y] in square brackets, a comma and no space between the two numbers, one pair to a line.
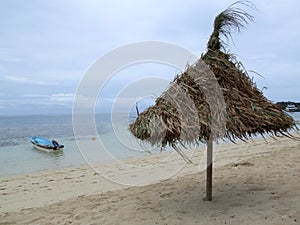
[254,183]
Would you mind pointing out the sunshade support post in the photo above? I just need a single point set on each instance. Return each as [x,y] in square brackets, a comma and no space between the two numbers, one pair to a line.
[209,170]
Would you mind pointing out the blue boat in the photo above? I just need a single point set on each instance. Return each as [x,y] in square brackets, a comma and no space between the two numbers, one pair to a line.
[45,144]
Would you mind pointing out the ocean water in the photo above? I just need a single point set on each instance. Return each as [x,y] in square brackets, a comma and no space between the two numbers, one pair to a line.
[18,156]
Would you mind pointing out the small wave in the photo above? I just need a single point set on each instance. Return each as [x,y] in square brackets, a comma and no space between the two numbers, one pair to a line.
[5,143]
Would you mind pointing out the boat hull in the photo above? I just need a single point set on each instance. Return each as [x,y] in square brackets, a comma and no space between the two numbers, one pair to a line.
[44,144]
[46,149]
[291,108]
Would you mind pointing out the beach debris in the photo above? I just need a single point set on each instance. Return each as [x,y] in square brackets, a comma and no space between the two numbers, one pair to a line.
[246,163]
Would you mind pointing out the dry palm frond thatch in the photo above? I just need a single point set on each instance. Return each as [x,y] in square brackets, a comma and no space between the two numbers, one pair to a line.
[226,105]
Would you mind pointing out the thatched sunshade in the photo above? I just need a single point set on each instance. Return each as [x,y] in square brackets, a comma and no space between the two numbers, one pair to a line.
[200,107]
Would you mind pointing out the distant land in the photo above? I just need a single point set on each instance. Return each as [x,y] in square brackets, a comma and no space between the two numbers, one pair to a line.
[283,105]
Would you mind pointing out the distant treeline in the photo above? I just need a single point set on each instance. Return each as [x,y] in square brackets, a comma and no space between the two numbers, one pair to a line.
[283,105]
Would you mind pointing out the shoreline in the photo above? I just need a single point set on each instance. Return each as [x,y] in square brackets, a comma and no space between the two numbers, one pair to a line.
[252,164]
[84,163]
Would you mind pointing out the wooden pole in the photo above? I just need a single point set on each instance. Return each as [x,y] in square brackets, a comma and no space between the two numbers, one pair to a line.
[137,109]
[209,170]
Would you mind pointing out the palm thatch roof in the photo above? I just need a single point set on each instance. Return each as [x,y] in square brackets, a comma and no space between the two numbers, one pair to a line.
[214,97]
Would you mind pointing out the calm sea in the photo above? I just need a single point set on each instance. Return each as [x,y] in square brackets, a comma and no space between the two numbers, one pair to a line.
[17,155]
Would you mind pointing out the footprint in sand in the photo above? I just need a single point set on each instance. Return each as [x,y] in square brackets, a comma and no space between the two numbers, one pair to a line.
[256,188]
[166,195]
[237,204]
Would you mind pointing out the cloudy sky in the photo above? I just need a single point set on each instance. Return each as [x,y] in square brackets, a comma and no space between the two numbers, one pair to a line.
[46,47]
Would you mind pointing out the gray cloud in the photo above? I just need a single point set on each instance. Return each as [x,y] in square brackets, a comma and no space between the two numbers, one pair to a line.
[47,46]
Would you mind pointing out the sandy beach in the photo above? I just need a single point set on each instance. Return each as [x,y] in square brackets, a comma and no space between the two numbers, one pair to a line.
[253,183]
